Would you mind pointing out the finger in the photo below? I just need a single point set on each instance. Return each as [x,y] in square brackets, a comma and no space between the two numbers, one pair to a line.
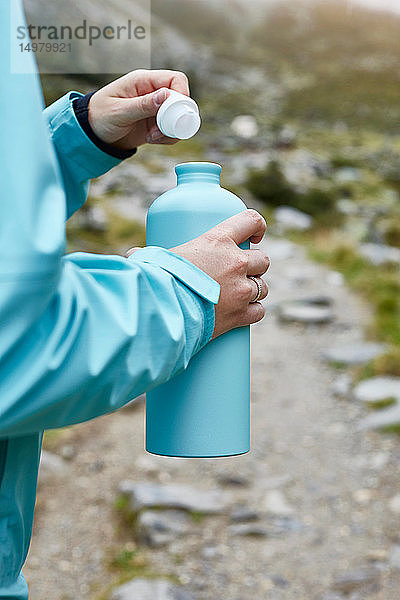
[246,225]
[254,313]
[258,262]
[132,251]
[143,107]
[254,290]
[144,81]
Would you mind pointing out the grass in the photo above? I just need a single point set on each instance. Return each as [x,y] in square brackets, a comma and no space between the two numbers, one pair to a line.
[380,286]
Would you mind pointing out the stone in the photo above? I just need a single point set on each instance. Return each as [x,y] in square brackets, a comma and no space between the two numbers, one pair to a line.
[250,529]
[353,354]
[158,528]
[348,175]
[51,464]
[242,513]
[146,495]
[341,387]
[286,137]
[335,279]
[150,589]
[379,254]
[244,126]
[230,479]
[279,249]
[275,503]
[311,314]
[377,389]
[287,217]
[394,504]
[383,418]
[394,557]
[355,579]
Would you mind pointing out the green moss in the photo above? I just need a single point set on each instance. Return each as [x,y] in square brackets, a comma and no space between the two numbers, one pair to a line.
[379,285]
[384,403]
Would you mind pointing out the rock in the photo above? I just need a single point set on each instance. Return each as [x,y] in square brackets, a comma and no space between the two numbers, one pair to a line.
[379,254]
[68,451]
[145,495]
[280,249]
[348,175]
[232,480]
[394,504]
[276,503]
[353,354]
[332,596]
[279,581]
[347,207]
[242,513]
[299,312]
[335,279]
[286,524]
[286,137]
[394,557]
[382,418]
[150,589]
[158,528]
[341,387]
[51,464]
[355,579]
[244,126]
[250,529]
[377,389]
[287,217]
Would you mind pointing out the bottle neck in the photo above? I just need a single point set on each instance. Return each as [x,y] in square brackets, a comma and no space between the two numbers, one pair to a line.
[198,172]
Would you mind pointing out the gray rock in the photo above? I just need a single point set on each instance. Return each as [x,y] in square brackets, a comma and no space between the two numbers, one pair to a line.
[275,503]
[280,249]
[150,589]
[231,479]
[377,389]
[250,529]
[383,418]
[286,137]
[332,596]
[158,528]
[51,464]
[355,579]
[242,513]
[287,217]
[353,354]
[298,312]
[341,387]
[394,557]
[145,495]
[348,175]
[379,254]
[244,126]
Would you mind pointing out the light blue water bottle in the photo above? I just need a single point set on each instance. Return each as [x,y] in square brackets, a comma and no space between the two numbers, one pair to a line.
[205,410]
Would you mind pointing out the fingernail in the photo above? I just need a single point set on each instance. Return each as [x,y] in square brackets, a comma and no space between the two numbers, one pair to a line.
[159,97]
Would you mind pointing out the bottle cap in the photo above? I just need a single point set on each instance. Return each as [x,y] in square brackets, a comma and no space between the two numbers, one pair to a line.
[178,116]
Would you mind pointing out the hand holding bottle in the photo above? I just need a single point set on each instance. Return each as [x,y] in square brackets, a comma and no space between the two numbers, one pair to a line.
[217,253]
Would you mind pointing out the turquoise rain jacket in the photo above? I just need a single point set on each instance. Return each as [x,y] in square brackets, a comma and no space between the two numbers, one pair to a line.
[81,334]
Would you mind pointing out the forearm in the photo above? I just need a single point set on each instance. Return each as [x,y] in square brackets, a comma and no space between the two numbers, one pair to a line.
[113,329]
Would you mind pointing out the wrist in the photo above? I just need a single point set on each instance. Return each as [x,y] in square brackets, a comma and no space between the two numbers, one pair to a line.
[81,109]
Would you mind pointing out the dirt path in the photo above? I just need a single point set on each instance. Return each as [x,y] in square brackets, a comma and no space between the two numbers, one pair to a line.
[323,491]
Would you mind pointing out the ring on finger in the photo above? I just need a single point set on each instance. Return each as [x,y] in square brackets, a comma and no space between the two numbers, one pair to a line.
[257,281]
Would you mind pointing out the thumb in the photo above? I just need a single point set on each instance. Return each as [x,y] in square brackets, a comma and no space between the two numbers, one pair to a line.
[147,105]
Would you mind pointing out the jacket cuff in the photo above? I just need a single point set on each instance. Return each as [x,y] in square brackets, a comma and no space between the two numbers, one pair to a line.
[206,289]
[73,144]
[81,109]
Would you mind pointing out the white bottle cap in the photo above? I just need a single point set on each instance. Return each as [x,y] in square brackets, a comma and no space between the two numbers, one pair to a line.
[178,116]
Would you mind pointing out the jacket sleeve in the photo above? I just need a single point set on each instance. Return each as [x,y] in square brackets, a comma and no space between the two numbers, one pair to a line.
[82,334]
[79,159]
